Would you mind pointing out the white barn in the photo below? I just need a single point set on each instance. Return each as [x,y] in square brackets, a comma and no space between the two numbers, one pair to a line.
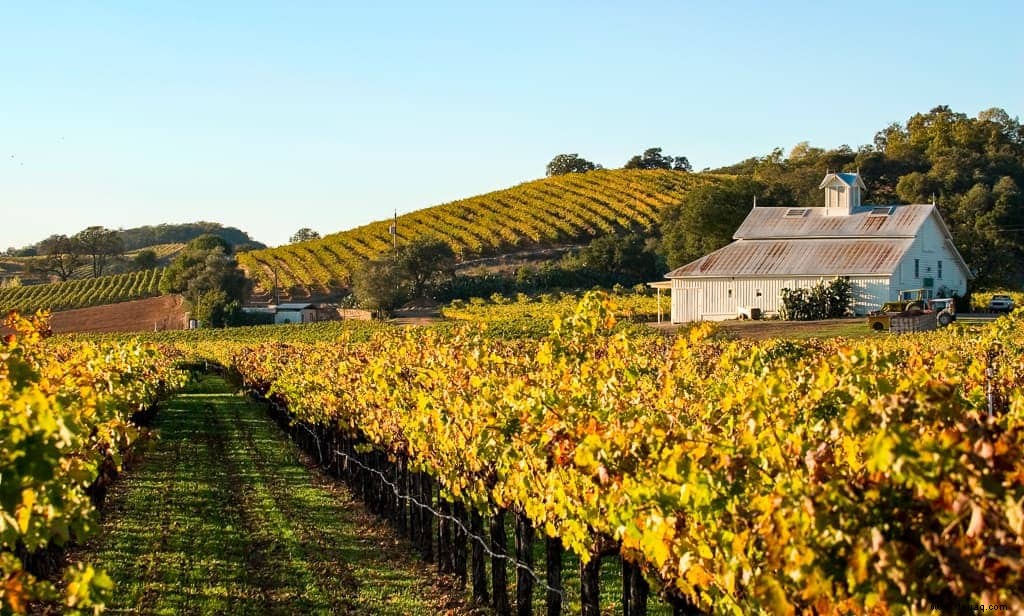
[882,250]
[295,313]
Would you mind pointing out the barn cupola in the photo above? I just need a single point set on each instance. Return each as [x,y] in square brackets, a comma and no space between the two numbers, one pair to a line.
[842,193]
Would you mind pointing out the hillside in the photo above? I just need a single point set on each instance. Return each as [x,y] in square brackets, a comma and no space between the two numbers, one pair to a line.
[557,210]
[154,235]
[22,267]
[141,315]
[82,292]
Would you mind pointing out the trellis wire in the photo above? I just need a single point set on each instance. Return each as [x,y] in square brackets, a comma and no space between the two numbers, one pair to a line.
[519,565]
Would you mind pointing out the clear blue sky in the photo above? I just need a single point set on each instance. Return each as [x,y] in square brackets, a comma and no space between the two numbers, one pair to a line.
[271,117]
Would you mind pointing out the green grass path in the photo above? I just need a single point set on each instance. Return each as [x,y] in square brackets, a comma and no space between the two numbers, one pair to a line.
[225,516]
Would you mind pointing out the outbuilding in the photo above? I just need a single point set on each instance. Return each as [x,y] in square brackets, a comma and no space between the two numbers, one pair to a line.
[882,250]
[295,313]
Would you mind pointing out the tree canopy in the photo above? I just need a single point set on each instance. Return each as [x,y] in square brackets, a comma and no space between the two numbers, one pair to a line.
[303,235]
[208,277]
[652,158]
[145,259]
[100,245]
[569,163]
[705,220]
[972,167]
[419,267]
[627,257]
[425,261]
[61,255]
[378,285]
[152,235]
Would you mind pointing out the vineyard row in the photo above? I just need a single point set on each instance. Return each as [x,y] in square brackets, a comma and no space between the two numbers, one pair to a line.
[81,293]
[66,416]
[573,207]
[738,477]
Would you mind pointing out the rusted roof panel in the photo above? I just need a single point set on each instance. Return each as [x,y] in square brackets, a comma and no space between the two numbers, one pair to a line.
[822,257]
[772,223]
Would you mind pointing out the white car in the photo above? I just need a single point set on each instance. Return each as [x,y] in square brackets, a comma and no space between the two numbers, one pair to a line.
[1000,303]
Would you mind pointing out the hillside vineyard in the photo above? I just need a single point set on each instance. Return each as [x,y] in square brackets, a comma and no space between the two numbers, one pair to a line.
[561,209]
[81,293]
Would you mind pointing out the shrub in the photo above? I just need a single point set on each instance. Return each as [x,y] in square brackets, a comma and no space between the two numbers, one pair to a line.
[830,300]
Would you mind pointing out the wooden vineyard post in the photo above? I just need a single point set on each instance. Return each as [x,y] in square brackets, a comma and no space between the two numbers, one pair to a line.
[411,488]
[459,538]
[321,444]
[368,489]
[345,464]
[394,502]
[479,566]
[360,476]
[403,503]
[553,566]
[590,586]
[634,590]
[396,494]
[380,462]
[524,556]
[376,483]
[499,571]
[444,537]
[426,517]
[334,467]
[627,582]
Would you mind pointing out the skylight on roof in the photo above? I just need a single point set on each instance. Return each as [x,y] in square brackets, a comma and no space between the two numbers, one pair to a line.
[881,211]
[796,212]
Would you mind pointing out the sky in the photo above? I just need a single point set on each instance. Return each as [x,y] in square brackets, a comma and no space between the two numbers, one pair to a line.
[275,116]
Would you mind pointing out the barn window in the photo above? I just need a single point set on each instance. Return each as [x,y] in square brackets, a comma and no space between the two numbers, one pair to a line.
[882,211]
[730,293]
[757,292]
[917,268]
[940,269]
[796,212]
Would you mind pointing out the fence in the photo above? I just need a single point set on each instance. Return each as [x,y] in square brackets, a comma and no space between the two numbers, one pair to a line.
[467,544]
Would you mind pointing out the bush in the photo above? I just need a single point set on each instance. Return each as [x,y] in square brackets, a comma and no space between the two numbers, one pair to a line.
[830,300]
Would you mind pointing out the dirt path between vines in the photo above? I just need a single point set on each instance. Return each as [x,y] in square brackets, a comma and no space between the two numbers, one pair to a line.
[226,516]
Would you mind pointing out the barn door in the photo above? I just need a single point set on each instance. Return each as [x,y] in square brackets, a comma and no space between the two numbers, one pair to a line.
[687,305]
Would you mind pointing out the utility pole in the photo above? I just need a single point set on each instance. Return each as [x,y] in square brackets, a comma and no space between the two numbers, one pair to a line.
[393,230]
[277,289]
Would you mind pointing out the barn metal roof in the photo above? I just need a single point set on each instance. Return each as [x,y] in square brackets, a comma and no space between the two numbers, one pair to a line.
[784,257]
[850,179]
[281,307]
[772,223]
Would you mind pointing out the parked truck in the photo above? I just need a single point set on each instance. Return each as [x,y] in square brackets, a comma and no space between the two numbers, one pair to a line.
[913,311]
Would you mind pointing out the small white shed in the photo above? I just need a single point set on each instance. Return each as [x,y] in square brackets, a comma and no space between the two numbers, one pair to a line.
[881,249]
[295,313]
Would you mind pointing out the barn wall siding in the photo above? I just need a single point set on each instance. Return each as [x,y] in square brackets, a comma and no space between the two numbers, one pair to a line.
[929,248]
[718,299]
